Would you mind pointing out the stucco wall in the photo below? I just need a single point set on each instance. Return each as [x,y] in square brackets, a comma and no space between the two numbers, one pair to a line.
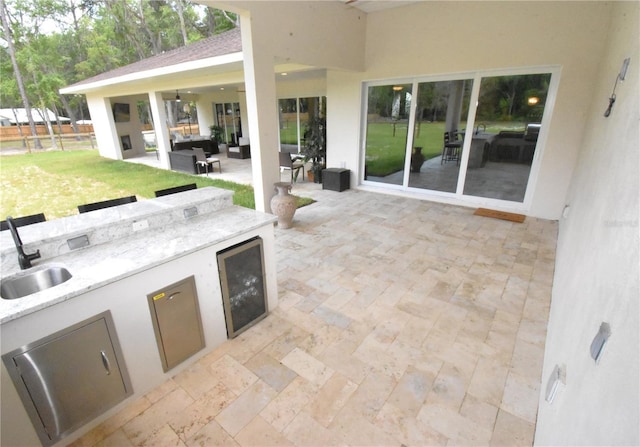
[597,264]
[300,87]
[131,128]
[433,38]
[104,126]
[315,33]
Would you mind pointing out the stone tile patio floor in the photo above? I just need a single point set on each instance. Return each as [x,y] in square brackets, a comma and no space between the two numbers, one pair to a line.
[400,322]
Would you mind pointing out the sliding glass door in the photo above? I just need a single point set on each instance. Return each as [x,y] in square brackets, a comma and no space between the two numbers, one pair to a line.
[295,114]
[441,114]
[228,117]
[387,132]
[475,136]
[508,121]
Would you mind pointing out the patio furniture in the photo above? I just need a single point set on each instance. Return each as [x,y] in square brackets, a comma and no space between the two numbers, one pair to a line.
[241,152]
[512,147]
[203,160]
[184,161]
[24,220]
[335,179]
[287,164]
[451,148]
[205,144]
[105,204]
[175,189]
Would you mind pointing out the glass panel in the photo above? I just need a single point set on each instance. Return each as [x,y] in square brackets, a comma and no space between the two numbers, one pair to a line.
[289,132]
[309,109]
[228,116]
[508,118]
[294,116]
[388,108]
[440,109]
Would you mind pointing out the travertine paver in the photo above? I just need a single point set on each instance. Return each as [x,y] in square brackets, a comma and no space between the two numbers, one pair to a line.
[400,322]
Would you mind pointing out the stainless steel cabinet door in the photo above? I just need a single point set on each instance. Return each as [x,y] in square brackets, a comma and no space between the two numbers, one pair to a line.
[176,320]
[71,378]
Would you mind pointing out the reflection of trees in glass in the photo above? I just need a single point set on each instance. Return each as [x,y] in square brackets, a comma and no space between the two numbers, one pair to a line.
[386,102]
[433,100]
[288,105]
[310,108]
[294,110]
[505,97]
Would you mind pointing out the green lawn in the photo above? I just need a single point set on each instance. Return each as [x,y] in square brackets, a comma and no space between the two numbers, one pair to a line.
[55,183]
[289,133]
[385,152]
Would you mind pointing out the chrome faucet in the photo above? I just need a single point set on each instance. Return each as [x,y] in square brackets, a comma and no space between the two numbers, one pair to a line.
[24,259]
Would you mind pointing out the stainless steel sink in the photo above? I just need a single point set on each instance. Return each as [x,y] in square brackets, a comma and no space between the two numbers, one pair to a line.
[24,284]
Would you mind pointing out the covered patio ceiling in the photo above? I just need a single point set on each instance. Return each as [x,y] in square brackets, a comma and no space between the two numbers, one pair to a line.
[376,5]
[284,73]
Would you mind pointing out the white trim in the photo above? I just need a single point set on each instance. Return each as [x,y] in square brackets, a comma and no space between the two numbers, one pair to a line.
[552,94]
[466,144]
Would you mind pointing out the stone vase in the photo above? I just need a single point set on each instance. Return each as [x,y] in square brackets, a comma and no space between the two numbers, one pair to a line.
[283,204]
[417,159]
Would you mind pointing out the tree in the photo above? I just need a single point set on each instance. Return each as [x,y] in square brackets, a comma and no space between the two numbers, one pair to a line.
[53,43]
[8,35]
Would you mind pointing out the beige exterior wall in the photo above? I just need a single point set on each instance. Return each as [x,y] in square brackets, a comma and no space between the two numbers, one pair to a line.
[324,34]
[436,38]
[597,264]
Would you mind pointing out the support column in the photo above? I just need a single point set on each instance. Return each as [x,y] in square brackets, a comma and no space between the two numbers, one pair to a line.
[159,116]
[262,114]
[104,127]
[205,116]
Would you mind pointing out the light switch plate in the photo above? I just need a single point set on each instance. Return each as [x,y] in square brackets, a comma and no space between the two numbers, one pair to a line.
[190,212]
[599,341]
[555,382]
[78,242]
[140,225]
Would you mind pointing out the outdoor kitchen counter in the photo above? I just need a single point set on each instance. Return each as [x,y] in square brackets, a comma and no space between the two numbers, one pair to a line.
[123,241]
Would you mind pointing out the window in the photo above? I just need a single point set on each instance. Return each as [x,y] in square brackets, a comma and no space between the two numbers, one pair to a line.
[228,117]
[294,115]
[473,136]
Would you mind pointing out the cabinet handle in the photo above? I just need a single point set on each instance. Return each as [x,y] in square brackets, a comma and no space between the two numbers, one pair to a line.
[172,295]
[105,362]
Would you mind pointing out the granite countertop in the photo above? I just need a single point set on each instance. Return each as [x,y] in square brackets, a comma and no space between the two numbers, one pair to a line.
[164,229]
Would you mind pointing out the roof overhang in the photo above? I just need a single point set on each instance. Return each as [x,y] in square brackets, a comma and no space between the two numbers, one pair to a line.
[177,75]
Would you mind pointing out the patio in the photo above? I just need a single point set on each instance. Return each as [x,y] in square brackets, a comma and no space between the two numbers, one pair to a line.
[239,171]
[400,321]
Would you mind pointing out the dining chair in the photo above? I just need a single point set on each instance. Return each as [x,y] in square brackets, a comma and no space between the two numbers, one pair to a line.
[175,189]
[287,164]
[105,204]
[451,148]
[24,220]
[203,160]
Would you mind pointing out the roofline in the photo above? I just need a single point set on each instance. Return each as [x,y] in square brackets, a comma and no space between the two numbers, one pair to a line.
[161,71]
